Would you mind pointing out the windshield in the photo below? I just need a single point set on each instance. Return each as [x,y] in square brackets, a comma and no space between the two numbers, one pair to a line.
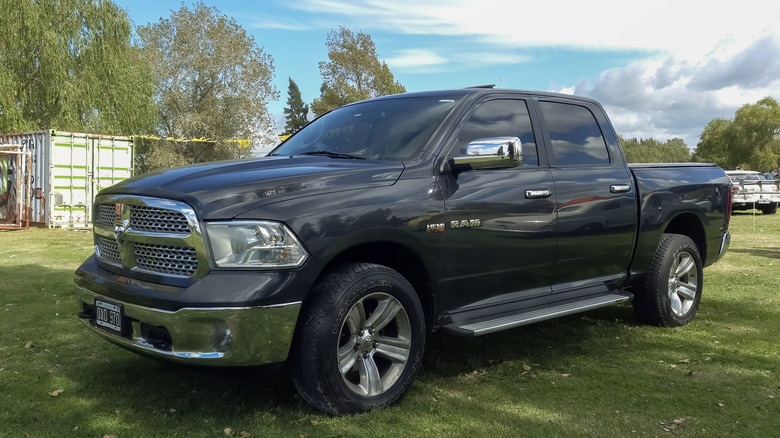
[746,177]
[393,129]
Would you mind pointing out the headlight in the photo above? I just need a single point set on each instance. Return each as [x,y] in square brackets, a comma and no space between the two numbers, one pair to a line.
[255,244]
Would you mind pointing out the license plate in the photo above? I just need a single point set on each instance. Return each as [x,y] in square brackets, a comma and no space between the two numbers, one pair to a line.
[109,316]
[763,201]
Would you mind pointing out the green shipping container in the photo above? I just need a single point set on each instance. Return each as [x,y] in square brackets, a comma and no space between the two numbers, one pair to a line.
[68,170]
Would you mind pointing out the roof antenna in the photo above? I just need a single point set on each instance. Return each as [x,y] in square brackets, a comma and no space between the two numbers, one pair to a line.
[484,86]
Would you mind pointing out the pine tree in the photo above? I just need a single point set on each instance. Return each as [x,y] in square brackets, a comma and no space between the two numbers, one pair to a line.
[296,112]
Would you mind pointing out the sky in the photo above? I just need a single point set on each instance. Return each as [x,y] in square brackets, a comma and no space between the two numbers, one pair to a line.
[662,69]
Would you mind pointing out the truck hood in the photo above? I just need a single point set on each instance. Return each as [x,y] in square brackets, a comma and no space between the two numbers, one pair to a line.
[224,190]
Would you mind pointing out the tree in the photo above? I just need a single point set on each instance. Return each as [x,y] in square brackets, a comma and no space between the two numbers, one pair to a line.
[650,150]
[70,65]
[296,112]
[750,141]
[213,83]
[353,73]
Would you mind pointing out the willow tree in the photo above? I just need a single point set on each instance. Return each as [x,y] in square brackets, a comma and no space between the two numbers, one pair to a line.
[213,82]
[751,140]
[353,72]
[70,65]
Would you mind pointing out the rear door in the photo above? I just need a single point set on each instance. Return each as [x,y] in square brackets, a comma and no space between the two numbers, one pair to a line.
[595,200]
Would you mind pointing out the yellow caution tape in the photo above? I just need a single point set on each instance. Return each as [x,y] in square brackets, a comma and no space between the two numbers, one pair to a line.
[243,143]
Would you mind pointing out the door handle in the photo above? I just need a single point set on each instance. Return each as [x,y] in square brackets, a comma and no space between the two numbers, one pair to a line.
[619,188]
[537,194]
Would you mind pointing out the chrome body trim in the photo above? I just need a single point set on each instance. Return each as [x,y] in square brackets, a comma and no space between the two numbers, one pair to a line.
[219,336]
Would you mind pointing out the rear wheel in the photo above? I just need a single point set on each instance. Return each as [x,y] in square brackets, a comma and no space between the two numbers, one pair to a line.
[672,291]
[362,340]
[769,209]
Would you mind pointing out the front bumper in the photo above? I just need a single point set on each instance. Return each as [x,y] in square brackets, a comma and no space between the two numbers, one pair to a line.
[220,336]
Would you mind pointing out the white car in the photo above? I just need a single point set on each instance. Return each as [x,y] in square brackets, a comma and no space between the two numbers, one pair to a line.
[755,191]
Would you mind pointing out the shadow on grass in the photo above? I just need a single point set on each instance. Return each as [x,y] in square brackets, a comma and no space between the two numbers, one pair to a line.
[770,253]
[615,360]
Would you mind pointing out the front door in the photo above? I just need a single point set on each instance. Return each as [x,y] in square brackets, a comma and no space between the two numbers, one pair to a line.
[501,224]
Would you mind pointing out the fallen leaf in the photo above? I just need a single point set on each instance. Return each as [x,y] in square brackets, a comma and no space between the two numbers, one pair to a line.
[110,436]
[75,428]
[721,404]
[228,431]
[173,410]
[28,344]
[565,375]
[56,393]
[679,421]
[246,435]
[314,422]
[684,361]
[526,367]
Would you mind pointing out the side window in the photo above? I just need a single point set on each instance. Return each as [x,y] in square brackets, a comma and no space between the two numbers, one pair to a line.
[501,118]
[575,135]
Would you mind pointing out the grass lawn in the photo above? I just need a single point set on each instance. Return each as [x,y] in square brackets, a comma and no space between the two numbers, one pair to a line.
[594,374]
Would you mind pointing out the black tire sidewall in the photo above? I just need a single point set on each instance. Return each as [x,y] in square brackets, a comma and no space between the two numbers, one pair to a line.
[679,244]
[346,286]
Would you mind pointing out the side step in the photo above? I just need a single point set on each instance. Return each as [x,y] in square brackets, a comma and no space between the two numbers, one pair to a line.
[504,321]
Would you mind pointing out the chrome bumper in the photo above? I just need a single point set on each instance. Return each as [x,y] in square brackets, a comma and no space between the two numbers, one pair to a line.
[220,336]
[724,245]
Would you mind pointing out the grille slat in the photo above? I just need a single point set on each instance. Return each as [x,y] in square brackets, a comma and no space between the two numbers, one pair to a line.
[109,250]
[106,214]
[166,259]
[158,220]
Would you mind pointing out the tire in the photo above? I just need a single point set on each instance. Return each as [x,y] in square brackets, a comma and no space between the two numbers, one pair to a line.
[361,340]
[671,293]
[769,209]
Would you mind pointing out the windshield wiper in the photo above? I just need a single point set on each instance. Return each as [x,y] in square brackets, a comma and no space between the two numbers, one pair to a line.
[331,154]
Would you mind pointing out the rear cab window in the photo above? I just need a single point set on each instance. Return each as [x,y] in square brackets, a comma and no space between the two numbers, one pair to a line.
[575,136]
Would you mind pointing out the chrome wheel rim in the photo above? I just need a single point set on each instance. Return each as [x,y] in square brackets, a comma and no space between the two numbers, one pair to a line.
[683,284]
[374,344]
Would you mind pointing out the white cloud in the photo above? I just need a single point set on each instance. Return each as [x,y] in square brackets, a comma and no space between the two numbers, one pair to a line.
[704,58]
[686,28]
[413,58]
[678,97]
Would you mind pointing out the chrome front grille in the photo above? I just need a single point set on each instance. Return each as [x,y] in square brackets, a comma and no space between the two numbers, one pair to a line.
[171,260]
[149,236]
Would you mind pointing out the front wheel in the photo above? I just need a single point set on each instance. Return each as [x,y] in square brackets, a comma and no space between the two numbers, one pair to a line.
[672,291]
[361,341]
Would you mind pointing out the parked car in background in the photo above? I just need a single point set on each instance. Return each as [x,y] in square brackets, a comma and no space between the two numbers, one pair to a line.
[755,191]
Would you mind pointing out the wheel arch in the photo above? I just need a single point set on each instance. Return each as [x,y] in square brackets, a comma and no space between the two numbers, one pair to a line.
[689,224]
[394,255]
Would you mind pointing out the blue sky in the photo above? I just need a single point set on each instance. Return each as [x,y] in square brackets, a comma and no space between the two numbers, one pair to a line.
[662,69]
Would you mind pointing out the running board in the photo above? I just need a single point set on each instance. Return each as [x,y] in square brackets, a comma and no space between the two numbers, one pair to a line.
[530,316]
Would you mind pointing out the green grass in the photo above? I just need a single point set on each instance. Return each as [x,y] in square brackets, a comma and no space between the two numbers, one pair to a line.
[594,374]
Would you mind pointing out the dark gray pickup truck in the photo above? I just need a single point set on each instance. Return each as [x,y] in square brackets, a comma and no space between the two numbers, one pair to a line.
[463,212]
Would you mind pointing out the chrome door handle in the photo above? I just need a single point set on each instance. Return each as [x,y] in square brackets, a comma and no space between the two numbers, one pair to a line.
[537,194]
[619,188]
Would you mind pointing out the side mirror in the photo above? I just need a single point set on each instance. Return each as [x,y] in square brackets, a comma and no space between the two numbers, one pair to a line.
[491,153]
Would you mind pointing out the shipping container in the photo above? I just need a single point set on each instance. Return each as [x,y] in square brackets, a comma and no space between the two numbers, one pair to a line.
[67,170]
